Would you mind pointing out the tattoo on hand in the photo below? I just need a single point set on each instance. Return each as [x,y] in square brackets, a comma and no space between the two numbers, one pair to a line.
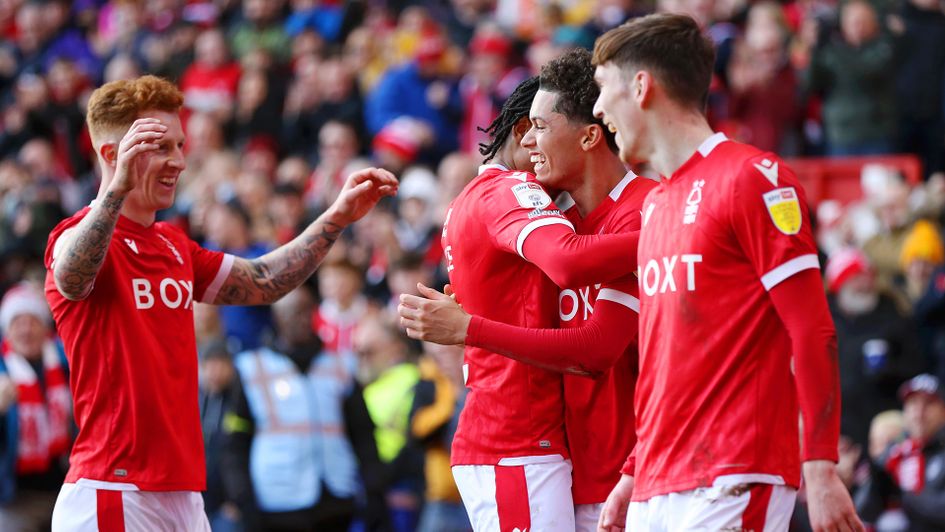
[266,279]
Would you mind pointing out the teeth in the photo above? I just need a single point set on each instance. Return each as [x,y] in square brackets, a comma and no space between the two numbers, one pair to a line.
[537,159]
[611,128]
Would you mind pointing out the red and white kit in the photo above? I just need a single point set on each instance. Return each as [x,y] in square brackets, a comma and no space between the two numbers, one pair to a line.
[599,412]
[132,354]
[512,425]
[716,402]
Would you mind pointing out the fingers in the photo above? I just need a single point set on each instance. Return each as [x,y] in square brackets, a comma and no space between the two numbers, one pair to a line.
[430,293]
[413,301]
[380,175]
[411,313]
[448,290]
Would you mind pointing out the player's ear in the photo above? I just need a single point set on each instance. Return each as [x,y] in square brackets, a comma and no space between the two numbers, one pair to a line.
[109,152]
[520,128]
[593,134]
[643,87]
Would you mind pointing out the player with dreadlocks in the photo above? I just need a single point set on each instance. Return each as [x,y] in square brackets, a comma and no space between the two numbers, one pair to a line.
[506,245]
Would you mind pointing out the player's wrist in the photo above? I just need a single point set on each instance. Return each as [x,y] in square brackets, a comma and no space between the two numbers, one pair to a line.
[816,471]
[337,216]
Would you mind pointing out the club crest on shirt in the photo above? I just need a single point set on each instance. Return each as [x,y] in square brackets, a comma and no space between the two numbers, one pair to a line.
[531,196]
[172,248]
[785,209]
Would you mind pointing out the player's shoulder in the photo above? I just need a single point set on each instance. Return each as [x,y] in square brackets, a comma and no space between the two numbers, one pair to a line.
[748,163]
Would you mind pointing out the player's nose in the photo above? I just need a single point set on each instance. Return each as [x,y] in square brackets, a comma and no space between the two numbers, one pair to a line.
[529,139]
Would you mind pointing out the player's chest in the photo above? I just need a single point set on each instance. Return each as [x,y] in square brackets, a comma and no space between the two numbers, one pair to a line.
[686,235]
[152,271]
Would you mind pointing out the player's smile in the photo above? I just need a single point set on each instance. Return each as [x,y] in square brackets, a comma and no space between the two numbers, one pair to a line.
[539,159]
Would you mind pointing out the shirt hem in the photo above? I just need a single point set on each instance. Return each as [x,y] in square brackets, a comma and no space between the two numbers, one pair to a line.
[643,495]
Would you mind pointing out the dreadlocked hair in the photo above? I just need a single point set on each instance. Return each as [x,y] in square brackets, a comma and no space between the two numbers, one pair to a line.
[515,107]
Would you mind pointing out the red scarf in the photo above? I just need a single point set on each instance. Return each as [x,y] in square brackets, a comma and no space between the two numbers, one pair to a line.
[907,466]
[43,421]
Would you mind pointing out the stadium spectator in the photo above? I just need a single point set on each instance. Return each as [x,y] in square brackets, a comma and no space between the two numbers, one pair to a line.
[922,252]
[389,370]
[321,92]
[763,103]
[337,148]
[877,343]
[493,75]
[300,439]
[920,73]
[854,74]
[218,395]
[343,307]
[422,91]
[35,411]
[260,28]
[438,400]
[914,463]
[210,83]
[228,230]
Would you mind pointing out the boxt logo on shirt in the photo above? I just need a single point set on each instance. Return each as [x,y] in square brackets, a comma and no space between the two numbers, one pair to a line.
[173,294]
[659,276]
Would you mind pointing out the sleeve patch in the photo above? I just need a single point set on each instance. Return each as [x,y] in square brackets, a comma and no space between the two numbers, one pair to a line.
[531,196]
[784,209]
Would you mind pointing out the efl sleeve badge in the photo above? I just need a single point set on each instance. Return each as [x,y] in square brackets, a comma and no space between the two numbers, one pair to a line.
[531,196]
[785,209]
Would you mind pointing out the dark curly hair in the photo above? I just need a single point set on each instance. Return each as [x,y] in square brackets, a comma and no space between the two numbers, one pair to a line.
[571,77]
[514,109]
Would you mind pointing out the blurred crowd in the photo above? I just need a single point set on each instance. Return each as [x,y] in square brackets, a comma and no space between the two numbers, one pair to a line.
[284,98]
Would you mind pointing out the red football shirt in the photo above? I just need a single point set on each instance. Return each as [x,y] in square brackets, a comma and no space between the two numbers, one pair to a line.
[599,412]
[133,357]
[716,396]
[512,409]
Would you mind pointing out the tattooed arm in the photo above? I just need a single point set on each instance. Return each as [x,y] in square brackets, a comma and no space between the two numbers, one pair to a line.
[265,279]
[80,251]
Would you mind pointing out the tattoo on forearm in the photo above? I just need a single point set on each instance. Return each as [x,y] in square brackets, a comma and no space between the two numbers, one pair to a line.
[266,279]
[80,260]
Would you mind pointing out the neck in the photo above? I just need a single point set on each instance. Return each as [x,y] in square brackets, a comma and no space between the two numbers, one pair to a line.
[677,136]
[602,171]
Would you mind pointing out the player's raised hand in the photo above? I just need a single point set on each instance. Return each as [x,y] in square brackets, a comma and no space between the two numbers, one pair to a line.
[828,501]
[613,517]
[433,317]
[144,135]
[361,192]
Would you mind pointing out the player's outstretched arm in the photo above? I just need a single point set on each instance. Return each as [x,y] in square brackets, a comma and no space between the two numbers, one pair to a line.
[80,251]
[570,259]
[265,279]
[588,350]
[817,380]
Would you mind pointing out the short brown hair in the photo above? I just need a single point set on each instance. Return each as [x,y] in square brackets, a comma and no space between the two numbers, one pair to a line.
[671,46]
[117,104]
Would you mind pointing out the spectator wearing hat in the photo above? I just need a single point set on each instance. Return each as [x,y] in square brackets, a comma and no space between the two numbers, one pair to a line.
[492,77]
[421,90]
[35,412]
[917,465]
[877,348]
[415,227]
[217,395]
[922,252]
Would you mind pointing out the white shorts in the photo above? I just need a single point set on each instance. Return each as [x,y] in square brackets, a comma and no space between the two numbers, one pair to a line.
[83,508]
[750,507]
[520,494]
[586,516]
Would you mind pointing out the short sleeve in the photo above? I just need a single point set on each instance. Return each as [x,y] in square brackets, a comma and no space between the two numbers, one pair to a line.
[770,220]
[518,205]
[211,268]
